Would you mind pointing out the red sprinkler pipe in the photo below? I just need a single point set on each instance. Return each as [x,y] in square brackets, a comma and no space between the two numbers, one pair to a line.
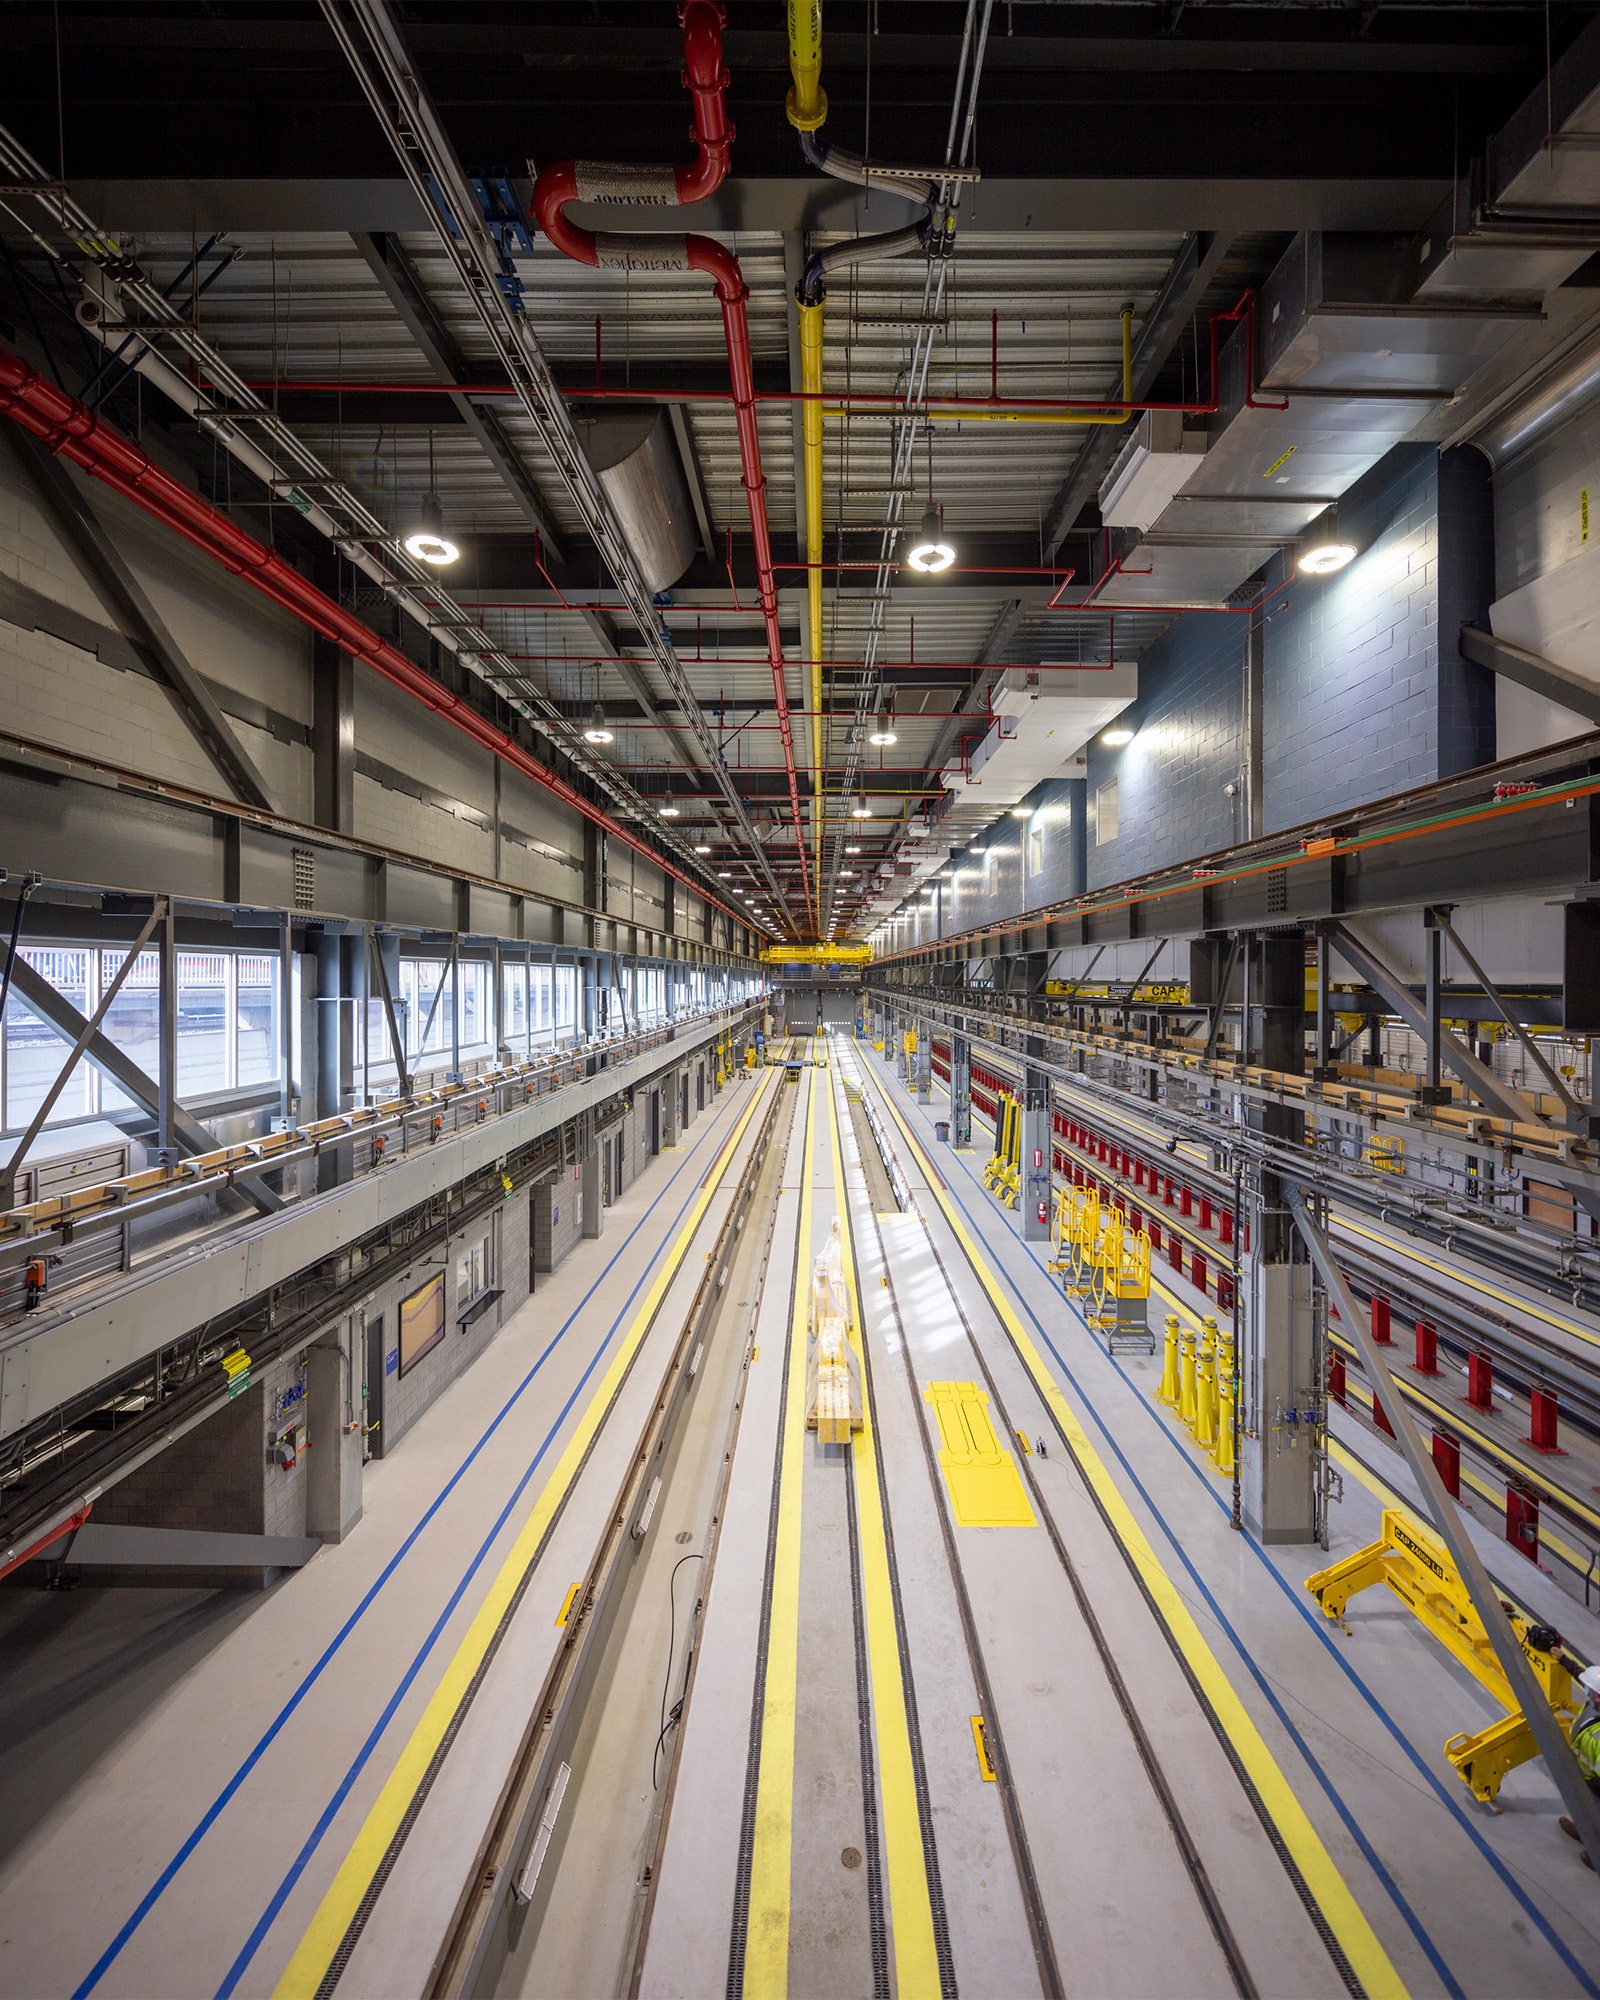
[585,180]
[75,432]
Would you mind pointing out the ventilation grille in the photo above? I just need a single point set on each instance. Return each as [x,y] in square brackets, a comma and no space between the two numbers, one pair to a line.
[305,878]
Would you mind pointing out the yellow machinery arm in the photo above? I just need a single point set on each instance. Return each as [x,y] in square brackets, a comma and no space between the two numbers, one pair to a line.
[1418,1569]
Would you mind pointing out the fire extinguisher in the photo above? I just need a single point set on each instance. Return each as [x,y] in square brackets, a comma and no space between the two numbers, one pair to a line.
[1044,1215]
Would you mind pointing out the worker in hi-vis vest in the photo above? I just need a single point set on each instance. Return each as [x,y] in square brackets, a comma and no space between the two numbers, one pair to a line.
[1585,1741]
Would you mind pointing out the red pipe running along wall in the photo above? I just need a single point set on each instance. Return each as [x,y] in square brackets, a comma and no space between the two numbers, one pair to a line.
[674,187]
[75,432]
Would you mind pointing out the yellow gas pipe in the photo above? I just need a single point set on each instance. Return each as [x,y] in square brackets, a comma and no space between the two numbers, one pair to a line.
[811,434]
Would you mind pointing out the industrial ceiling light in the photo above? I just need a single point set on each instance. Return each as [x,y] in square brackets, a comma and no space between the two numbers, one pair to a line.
[1115,738]
[701,847]
[1327,551]
[930,552]
[428,542]
[852,850]
[598,730]
[1323,558]
[1022,812]
[669,812]
[882,733]
[861,812]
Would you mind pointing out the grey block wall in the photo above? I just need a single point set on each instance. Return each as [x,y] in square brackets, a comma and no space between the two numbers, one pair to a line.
[219,1478]
[557,1210]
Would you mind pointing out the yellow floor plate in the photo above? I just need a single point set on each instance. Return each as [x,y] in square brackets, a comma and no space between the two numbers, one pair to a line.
[986,1489]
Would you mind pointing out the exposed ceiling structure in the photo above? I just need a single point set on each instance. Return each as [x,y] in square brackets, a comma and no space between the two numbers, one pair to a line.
[1075,269]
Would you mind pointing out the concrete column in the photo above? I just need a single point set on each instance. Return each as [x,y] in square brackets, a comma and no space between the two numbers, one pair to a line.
[1278,1483]
[671,1101]
[333,1423]
[333,736]
[1036,1158]
[593,1200]
[960,1091]
[335,1077]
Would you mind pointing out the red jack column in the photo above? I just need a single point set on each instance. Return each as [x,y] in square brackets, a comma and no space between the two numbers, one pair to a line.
[1480,1382]
[1380,1321]
[1447,1462]
[1544,1416]
[1427,1361]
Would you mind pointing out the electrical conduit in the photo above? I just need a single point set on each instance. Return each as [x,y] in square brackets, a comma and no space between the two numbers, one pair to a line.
[674,187]
[68,428]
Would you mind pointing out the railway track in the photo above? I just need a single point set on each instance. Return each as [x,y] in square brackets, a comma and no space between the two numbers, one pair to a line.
[1017,1414]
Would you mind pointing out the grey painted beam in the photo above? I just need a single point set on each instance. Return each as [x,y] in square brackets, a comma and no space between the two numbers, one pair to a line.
[60,1014]
[123,596]
[1187,283]
[1532,671]
[800,201]
[406,293]
[694,477]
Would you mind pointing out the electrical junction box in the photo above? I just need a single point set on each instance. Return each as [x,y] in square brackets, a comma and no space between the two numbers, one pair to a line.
[1150,470]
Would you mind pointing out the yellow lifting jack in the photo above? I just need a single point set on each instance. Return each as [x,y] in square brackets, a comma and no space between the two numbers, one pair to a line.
[1417,1568]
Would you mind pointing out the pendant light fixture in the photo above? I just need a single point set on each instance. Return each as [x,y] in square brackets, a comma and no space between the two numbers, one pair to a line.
[930,552]
[428,541]
[1327,551]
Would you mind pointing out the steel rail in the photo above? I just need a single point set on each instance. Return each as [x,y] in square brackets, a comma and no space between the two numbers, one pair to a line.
[963,111]
[370,38]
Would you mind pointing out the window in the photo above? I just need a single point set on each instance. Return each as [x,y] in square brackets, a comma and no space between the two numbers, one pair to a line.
[229,1027]
[1105,813]
[421,1322]
[1035,849]
[472,1273]
[427,987]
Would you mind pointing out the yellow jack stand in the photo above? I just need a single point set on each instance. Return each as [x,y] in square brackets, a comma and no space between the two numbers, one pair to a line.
[1205,1392]
[1169,1392]
[1186,1382]
[1227,1393]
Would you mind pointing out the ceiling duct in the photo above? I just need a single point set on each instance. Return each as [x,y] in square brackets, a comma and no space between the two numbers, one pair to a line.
[1524,217]
[636,461]
[1336,363]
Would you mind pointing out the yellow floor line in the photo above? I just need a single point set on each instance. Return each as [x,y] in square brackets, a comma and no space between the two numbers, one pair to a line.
[766,1957]
[314,1953]
[1340,1910]
[916,1958]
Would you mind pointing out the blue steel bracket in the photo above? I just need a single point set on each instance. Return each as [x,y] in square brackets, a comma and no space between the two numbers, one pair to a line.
[502,213]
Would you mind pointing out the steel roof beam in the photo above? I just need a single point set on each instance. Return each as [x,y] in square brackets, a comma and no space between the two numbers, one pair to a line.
[405,291]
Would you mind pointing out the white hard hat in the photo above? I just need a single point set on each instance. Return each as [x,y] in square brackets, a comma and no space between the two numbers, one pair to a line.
[1590,1679]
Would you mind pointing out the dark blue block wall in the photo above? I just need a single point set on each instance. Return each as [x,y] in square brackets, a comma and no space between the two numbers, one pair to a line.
[1364,692]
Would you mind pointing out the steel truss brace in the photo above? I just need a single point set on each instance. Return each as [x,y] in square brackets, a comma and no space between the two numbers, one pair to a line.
[1220,1007]
[1580,1802]
[60,1014]
[397,1041]
[92,549]
[1438,918]
[1477,1076]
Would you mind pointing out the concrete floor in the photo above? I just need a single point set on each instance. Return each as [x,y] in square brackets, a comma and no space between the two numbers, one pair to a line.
[184,1773]
[186,1851]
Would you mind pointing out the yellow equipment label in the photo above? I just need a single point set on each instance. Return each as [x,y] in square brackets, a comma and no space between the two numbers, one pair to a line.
[986,1488]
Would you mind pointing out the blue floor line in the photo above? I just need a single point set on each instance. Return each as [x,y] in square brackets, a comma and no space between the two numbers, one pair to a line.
[218,1805]
[1415,1924]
